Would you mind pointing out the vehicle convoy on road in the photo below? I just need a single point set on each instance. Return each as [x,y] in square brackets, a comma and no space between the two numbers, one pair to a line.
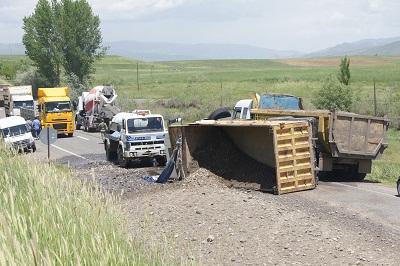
[136,136]
[15,134]
[95,106]
[346,143]
[16,97]
[54,109]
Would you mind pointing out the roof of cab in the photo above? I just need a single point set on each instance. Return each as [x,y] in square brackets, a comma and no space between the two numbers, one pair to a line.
[11,121]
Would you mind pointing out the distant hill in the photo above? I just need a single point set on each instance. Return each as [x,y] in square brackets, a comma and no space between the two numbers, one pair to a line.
[159,51]
[155,51]
[12,48]
[367,47]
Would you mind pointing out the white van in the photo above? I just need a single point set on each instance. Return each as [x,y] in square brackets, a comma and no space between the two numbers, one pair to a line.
[15,133]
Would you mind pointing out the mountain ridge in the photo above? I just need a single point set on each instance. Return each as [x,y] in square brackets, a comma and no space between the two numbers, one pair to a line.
[162,51]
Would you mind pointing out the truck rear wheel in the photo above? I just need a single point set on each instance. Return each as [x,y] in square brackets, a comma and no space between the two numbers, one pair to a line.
[77,125]
[161,161]
[359,176]
[123,162]
[110,155]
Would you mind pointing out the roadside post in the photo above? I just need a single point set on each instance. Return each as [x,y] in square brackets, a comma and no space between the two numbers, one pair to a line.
[48,136]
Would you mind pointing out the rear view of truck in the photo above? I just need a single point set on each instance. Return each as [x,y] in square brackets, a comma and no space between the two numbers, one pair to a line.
[16,97]
[346,143]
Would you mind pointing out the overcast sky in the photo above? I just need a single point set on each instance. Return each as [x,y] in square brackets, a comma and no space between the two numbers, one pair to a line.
[302,25]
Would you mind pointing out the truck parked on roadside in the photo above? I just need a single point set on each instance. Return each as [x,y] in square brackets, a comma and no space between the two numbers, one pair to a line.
[95,106]
[346,142]
[15,134]
[54,109]
[16,97]
[136,136]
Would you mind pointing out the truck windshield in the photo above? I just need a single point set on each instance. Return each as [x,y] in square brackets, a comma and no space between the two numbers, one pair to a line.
[19,104]
[52,107]
[145,124]
[14,130]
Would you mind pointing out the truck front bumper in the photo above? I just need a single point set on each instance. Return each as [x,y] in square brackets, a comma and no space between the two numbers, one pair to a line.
[144,154]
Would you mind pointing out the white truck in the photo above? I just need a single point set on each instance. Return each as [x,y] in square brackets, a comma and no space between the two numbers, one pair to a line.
[94,106]
[136,136]
[15,134]
[16,97]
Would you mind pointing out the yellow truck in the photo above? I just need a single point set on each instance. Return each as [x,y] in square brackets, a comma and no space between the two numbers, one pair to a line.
[55,110]
[346,143]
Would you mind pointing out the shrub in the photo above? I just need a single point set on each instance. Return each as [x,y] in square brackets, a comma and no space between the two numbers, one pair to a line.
[333,95]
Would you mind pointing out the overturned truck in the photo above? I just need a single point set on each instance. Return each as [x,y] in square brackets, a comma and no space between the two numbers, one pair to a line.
[276,156]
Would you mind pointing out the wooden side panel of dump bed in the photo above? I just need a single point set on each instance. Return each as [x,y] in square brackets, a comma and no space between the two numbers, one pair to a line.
[283,147]
[294,156]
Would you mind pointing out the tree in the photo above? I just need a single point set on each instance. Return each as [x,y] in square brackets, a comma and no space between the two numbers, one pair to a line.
[63,35]
[333,95]
[42,41]
[344,72]
[81,34]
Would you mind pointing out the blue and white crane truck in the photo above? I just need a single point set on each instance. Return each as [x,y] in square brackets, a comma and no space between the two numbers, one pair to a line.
[136,136]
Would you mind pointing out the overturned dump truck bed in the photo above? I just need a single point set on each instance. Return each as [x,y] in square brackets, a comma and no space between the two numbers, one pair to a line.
[276,156]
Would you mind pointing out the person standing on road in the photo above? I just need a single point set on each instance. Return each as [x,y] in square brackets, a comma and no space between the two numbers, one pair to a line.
[29,125]
[102,127]
[36,128]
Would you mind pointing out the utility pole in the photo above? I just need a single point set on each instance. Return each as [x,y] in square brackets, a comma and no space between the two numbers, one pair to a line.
[375,96]
[221,92]
[137,75]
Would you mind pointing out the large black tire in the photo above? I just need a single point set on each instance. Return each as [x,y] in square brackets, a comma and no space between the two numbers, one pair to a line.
[77,126]
[110,155]
[161,161]
[219,113]
[359,176]
[70,134]
[398,186]
[123,162]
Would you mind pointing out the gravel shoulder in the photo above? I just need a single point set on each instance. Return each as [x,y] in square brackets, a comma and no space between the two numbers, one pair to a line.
[207,221]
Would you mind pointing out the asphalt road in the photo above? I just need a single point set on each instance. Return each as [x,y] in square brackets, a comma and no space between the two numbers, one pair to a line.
[372,201]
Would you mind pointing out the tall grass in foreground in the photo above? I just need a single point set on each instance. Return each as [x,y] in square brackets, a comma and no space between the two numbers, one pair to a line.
[47,217]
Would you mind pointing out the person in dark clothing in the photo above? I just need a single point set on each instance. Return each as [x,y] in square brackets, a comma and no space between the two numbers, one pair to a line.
[36,128]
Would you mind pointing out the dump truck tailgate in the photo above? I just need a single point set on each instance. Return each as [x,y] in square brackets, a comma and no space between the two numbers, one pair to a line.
[357,136]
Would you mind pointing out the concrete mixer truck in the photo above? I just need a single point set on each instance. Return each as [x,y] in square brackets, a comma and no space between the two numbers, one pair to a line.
[94,106]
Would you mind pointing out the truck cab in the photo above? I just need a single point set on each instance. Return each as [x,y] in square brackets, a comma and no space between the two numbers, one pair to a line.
[242,109]
[139,135]
[55,110]
[15,134]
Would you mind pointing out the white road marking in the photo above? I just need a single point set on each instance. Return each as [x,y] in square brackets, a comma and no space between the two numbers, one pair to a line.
[82,138]
[391,195]
[69,152]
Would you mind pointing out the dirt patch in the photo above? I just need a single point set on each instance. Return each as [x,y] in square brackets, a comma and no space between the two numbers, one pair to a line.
[355,61]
